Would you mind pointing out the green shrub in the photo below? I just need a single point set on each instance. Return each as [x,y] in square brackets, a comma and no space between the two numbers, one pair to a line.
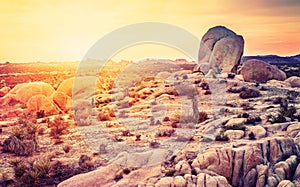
[284,112]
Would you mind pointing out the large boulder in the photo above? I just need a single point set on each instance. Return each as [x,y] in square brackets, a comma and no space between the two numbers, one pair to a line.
[66,87]
[62,100]
[294,81]
[84,86]
[41,102]
[259,71]
[222,49]
[23,92]
[209,39]
[227,53]
[103,176]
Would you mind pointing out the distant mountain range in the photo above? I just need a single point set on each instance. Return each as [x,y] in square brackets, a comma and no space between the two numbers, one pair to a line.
[274,59]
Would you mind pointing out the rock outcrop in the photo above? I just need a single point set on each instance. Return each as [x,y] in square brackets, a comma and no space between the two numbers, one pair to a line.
[227,53]
[260,71]
[271,162]
[4,91]
[222,49]
[66,87]
[294,81]
[84,87]
[62,100]
[41,102]
[21,93]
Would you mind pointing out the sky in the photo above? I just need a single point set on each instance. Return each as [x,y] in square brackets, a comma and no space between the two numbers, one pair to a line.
[64,30]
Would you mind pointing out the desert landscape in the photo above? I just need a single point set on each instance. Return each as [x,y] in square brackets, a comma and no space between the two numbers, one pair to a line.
[226,120]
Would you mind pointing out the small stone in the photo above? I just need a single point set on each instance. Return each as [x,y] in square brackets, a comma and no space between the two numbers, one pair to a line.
[234,134]
[258,131]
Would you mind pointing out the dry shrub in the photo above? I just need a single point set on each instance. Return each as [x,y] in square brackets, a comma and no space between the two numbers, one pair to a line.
[58,127]
[163,132]
[22,140]
[19,147]
[154,144]
[85,163]
[67,148]
[106,114]
[126,133]
[202,116]
[31,173]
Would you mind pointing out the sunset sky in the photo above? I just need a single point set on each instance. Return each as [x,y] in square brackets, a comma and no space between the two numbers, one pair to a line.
[64,30]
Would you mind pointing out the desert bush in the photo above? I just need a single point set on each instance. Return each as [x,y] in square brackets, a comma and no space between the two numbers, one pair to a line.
[288,112]
[42,167]
[31,173]
[42,172]
[5,180]
[138,137]
[2,83]
[22,140]
[40,114]
[58,127]
[60,172]
[276,118]
[202,116]
[85,163]
[118,138]
[19,147]
[285,111]
[19,167]
[19,132]
[221,137]
[204,86]
[26,118]
[162,132]
[67,148]
[252,136]
[126,133]
[154,144]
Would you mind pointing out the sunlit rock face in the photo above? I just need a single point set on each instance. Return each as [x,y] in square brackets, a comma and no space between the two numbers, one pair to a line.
[222,49]
[260,71]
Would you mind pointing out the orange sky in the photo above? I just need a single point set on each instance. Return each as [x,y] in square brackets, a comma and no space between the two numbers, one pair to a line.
[64,30]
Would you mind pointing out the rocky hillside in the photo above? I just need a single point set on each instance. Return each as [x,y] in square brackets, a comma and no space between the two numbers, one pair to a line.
[157,123]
